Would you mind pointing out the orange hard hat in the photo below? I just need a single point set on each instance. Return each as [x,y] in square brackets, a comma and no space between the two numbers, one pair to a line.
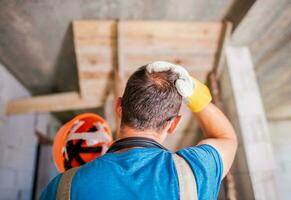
[81,140]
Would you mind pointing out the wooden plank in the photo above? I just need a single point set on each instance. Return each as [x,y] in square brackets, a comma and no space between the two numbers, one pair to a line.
[88,29]
[95,48]
[119,79]
[168,45]
[220,55]
[93,88]
[158,36]
[200,75]
[99,54]
[118,69]
[92,74]
[190,44]
[94,33]
[94,57]
[167,29]
[49,103]
[195,62]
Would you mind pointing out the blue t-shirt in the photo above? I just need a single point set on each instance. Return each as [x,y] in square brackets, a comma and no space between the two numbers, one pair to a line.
[143,173]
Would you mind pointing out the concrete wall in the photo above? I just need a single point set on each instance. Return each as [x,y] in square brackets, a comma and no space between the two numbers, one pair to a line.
[280,132]
[17,142]
[255,166]
[46,167]
[239,168]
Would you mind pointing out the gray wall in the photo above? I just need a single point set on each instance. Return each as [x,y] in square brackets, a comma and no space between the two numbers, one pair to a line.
[280,132]
[17,142]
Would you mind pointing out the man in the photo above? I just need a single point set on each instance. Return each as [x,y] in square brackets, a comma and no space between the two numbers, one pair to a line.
[137,166]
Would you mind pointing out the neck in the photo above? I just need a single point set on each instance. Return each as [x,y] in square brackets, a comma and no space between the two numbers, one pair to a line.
[126,132]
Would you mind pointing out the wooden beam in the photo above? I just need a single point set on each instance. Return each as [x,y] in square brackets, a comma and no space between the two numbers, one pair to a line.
[158,36]
[118,82]
[104,48]
[118,69]
[190,44]
[194,62]
[49,103]
[95,47]
[219,62]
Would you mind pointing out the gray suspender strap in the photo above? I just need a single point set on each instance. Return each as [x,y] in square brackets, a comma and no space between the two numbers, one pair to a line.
[64,188]
[187,183]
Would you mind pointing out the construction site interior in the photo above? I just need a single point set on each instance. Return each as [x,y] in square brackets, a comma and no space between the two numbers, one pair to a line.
[59,59]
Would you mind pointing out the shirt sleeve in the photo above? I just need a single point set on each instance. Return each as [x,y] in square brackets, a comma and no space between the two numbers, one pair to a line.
[50,191]
[207,167]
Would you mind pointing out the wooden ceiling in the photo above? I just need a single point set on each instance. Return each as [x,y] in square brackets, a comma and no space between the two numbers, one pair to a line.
[105,47]
[36,37]
[28,52]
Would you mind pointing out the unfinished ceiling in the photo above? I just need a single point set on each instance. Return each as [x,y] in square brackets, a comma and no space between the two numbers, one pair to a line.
[108,47]
[36,42]
[36,39]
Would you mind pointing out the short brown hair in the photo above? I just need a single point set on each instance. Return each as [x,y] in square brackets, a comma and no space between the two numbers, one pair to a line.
[150,100]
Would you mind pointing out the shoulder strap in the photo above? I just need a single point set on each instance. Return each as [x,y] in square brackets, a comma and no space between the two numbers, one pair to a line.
[187,183]
[64,188]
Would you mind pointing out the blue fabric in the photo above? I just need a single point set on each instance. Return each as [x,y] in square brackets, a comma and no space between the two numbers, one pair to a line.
[143,173]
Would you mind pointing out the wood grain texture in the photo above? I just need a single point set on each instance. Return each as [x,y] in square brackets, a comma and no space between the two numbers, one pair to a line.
[107,48]
[220,59]
[94,46]
[190,44]
[49,103]
[155,36]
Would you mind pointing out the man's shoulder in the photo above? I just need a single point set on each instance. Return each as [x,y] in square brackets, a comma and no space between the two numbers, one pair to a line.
[207,168]
[203,155]
[199,151]
[50,190]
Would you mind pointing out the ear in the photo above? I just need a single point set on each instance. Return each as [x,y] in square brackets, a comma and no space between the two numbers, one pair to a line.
[174,124]
[118,108]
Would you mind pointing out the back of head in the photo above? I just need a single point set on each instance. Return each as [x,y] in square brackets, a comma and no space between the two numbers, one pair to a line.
[150,100]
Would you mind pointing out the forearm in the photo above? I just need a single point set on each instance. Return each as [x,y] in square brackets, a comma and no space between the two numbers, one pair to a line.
[215,124]
[219,133]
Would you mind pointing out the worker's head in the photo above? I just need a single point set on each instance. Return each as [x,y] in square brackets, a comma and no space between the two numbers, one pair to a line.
[150,102]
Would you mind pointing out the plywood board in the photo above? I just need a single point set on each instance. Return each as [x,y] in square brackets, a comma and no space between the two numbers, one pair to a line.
[49,103]
[95,48]
[111,50]
[189,44]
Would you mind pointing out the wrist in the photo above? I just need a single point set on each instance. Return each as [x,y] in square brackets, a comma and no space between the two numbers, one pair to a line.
[200,97]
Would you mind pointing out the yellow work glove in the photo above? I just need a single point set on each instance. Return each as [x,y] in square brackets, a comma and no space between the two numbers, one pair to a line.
[195,93]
